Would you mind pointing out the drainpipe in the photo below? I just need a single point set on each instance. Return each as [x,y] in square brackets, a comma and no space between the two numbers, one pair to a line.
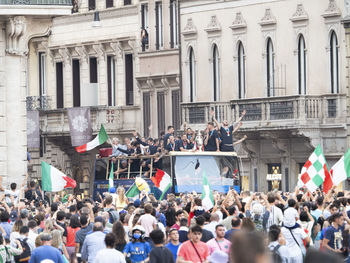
[180,56]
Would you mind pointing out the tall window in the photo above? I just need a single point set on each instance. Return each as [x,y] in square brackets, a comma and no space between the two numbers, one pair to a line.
[42,73]
[216,73]
[173,24]
[76,82]
[334,63]
[92,4]
[109,3]
[127,2]
[241,71]
[129,79]
[93,70]
[192,74]
[270,66]
[144,16]
[159,25]
[59,85]
[301,65]
[111,80]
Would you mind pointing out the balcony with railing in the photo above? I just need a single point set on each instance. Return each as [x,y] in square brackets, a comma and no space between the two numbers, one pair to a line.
[272,112]
[35,7]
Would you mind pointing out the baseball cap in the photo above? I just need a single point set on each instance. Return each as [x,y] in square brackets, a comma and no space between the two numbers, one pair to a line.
[13,216]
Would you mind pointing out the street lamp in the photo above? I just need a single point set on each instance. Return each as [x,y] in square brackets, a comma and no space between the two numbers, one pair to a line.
[96,22]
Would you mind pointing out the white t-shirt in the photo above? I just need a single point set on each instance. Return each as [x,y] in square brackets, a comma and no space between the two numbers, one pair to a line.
[295,250]
[109,255]
[147,221]
[8,194]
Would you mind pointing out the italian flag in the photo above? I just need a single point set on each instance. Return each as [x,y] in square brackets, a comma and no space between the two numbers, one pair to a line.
[341,170]
[53,180]
[133,191]
[207,196]
[315,171]
[162,181]
[111,178]
[99,139]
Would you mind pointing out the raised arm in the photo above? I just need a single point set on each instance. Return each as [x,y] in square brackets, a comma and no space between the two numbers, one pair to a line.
[241,140]
[212,114]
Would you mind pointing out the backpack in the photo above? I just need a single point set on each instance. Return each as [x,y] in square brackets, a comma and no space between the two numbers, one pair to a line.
[276,257]
[25,256]
[258,223]
[113,216]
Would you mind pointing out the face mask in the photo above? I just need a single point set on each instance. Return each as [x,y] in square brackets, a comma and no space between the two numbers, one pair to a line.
[137,236]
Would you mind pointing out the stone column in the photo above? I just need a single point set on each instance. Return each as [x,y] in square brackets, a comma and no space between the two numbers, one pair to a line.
[102,75]
[15,102]
[346,23]
[67,78]
[166,23]
[119,74]
[151,26]
[3,145]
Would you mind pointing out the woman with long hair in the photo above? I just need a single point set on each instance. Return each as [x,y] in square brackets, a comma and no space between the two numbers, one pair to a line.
[120,236]
[15,231]
[57,242]
[121,200]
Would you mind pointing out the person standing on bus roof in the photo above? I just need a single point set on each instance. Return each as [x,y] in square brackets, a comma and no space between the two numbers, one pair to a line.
[169,133]
[227,131]
[211,142]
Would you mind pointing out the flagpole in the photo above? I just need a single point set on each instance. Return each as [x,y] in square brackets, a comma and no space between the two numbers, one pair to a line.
[107,169]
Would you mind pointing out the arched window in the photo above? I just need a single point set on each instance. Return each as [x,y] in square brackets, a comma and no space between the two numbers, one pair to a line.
[301,65]
[334,63]
[216,74]
[192,74]
[270,66]
[241,71]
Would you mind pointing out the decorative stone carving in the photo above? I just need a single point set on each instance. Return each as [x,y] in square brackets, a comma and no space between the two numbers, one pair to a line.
[239,22]
[347,8]
[332,10]
[83,54]
[15,29]
[99,50]
[213,25]
[268,19]
[300,14]
[190,28]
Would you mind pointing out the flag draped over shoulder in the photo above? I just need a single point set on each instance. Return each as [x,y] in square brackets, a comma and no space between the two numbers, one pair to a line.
[315,170]
[162,181]
[99,139]
[207,196]
[53,180]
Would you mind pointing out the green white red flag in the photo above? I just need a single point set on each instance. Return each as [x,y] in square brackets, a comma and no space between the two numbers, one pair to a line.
[53,180]
[315,171]
[207,196]
[101,138]
[162,181]
[111,178]
[341,170]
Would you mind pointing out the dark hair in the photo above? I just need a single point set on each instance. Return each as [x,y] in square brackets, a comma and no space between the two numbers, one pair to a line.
[110,240]
[198,201]
[183,222]
[274,233]
[4,216]
[332,206]
[84,219]
[304,217]
[109,199]
[219,225]
[196,229]
[119,233]
[200,220]
[291,203]
[148,208]
[157,236]
[248,225]
[13,186]
[24,230]
[61,215]
[319,256]
[271,198]
[319,200]
[170,126]
[32,224]
[179,212]
[80,205]
[32,184]
[74,221]
[54,207]
[231,210]
[243,242]
[72,208]
[235,222]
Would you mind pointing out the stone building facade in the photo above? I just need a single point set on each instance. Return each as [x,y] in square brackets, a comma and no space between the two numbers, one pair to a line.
[284,63]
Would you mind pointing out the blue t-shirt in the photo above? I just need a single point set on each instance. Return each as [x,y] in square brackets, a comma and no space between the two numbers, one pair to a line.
[138,251]
[173,249]
[46,253]
[335,237]
[229,234]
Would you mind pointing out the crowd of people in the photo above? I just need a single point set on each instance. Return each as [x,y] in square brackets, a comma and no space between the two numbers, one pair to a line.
[240,228]
[217,137]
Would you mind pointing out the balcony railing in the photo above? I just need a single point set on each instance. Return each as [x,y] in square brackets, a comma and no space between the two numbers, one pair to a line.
[38,103]
[260,111]
[36,2]
[121,118]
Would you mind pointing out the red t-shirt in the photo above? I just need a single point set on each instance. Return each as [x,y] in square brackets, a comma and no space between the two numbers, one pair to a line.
[71,236]
[188,252]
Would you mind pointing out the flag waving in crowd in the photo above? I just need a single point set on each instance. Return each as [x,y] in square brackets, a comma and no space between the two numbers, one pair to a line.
[207,196]
[54,180]
[111,178]
[101,138]
[162,181]
[315,170]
